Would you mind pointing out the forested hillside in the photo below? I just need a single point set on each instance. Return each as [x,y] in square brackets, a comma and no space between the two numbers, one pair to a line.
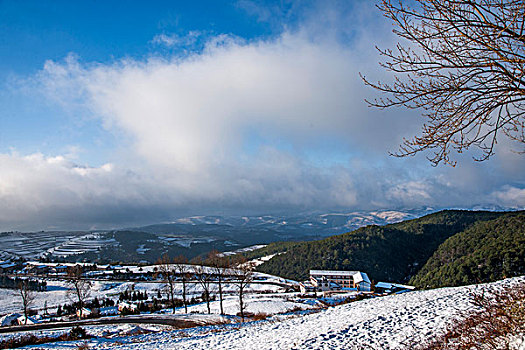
[393,252]
[485,252]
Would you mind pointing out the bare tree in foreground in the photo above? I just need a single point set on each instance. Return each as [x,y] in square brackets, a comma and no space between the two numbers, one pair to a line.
[27,295]
[180,266]
[220,267]
[464,65]
[242,274]
[204,276]
[166,271]
[80,287]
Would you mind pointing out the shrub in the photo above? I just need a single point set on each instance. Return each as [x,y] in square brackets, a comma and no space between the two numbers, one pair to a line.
[497,323]
[77,333]
[260,316]
[83,346]
[31,339]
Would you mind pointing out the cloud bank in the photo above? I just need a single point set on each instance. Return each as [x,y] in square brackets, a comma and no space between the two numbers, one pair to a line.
[266,125]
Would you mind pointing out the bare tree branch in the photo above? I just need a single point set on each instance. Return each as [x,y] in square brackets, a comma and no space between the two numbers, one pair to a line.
[166,271]
[80,287]
[220,265]
[181,268]
[204,277]
[242,275]
[27,295]
[464,66]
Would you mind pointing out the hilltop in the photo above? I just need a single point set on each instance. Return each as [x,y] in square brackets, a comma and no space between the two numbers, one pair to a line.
[397,252]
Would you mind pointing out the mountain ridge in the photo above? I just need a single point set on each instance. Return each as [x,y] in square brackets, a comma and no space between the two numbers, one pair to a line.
[395,252]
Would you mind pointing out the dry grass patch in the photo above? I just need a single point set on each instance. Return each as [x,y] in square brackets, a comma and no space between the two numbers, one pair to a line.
[498,322]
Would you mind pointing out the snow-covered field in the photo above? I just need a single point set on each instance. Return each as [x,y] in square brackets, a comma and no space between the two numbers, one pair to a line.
[392,322]
[57,293]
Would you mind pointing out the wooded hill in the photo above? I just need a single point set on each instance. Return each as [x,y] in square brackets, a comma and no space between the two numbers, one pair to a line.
[455,241]
[486,251]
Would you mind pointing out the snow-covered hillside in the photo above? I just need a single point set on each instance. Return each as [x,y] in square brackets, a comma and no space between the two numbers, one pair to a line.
[393,322]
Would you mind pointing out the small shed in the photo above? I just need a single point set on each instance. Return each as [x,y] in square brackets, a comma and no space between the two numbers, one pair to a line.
[85,312]
[306,287]
[362,282]
[22,320]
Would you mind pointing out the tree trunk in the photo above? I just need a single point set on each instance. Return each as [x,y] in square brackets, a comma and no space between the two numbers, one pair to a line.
[241,304]
[172,302]
[79,305]
[184,296]
[208,302]
[220,296]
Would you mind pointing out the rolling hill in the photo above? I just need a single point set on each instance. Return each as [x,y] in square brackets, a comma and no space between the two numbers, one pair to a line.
[397,252]
[485,252]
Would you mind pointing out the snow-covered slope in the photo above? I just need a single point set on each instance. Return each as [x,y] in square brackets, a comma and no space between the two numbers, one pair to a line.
[392,322]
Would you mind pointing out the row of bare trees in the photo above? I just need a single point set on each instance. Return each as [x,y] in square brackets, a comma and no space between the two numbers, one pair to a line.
[209,272]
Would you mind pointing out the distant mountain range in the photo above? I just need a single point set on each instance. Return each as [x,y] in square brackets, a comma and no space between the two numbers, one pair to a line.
[287,226]
[195,235]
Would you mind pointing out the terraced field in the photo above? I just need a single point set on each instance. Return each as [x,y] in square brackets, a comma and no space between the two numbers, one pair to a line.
[61,244]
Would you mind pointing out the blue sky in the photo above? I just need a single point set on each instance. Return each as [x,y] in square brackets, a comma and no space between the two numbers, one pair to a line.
[33,32]
[114,113]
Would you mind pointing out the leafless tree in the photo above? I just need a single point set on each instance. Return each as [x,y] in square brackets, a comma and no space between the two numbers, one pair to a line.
[220,266]
[463,64]
[27,295]
[180,265]
[242,276]
[204,276]
[80,287]
[166,271]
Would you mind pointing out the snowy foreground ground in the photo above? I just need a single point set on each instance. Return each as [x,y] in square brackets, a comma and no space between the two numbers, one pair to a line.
[393,322]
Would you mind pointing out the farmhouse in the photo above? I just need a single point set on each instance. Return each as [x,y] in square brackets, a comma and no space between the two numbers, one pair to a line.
[344,279]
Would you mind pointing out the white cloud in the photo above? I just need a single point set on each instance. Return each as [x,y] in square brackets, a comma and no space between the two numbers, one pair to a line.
[510,196]
[175,40]
[410,193]
[232,127]
[188,113]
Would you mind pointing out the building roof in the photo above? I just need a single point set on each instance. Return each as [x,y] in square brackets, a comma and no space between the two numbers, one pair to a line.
[388,285]
[361,277]
[333,272]
[110,310]
[358,275]
[7,319]
[30,320]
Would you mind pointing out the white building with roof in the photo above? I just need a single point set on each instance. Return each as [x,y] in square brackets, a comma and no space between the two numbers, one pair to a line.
[344,279]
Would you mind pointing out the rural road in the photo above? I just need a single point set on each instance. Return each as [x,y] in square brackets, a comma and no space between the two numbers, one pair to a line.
[178,321]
